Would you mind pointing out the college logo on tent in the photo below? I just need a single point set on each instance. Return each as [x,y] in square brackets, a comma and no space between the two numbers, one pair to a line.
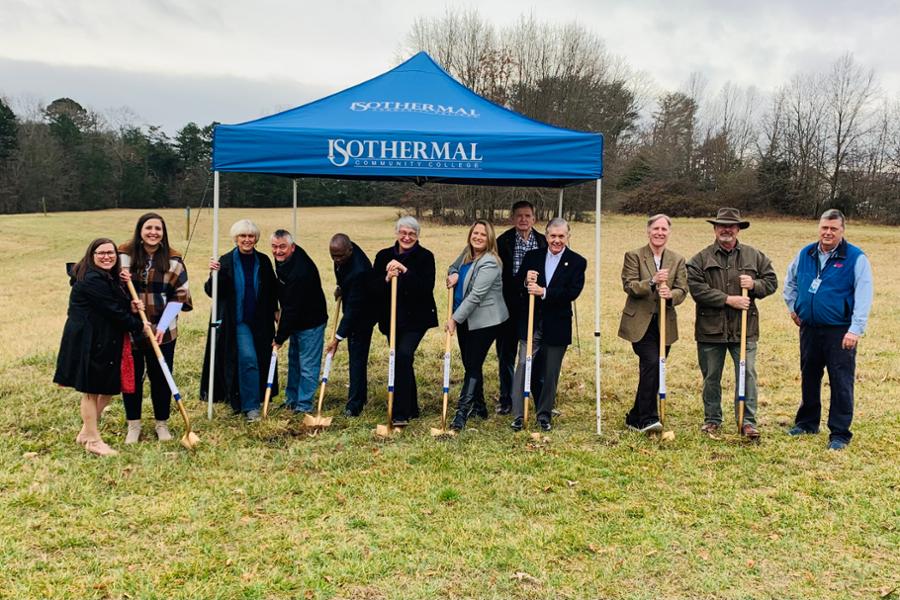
[403,154]
[414,107]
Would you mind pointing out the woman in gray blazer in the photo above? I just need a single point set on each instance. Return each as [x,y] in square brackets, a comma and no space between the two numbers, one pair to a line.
[478,311]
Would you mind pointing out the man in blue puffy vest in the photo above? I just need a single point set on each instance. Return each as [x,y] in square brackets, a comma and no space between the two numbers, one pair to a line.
[828,290]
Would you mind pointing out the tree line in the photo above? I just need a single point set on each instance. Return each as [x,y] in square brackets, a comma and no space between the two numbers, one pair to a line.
[828,138]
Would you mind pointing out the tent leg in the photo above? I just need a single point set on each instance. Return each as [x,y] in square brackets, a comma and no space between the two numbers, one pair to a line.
[294,231]
[213,321]
[559,211]
[597,307]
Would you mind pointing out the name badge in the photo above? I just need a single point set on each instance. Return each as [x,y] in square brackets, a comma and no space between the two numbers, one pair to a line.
[814,286]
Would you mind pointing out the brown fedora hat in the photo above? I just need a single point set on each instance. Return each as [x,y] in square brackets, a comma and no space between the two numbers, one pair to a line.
[729,216]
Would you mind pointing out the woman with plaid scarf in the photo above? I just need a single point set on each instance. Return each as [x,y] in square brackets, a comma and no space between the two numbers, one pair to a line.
[160,277]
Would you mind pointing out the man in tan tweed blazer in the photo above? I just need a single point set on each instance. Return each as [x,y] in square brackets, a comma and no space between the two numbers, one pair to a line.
[648,274]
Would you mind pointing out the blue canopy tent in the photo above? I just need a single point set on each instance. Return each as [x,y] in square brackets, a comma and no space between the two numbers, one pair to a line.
[412,123]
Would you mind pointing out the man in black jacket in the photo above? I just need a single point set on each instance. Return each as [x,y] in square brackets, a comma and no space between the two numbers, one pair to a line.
[302,319]
[513,244]
[353,272]
[555,277]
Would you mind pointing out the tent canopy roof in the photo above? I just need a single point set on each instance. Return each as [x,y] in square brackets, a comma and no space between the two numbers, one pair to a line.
[414,122]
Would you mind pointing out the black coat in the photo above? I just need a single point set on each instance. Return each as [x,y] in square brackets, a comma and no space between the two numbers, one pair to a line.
[416,310]
[90,353]
[299,295]
[553,314]
[227,388]
[506,247]
[354,278]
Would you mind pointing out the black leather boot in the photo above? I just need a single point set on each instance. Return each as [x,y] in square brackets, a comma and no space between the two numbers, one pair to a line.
[466,404]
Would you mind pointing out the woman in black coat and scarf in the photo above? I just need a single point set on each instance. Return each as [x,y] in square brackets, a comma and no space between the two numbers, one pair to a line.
[413,266]
[100,315]
[247,305]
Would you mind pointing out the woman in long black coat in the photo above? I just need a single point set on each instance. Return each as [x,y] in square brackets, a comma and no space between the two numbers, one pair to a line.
[90,353]
[247,303]
[413,266]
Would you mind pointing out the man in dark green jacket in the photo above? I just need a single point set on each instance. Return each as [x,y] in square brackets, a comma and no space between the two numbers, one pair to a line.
[716,276]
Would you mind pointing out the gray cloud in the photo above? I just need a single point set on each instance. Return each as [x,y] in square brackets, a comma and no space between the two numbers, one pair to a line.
[169,101]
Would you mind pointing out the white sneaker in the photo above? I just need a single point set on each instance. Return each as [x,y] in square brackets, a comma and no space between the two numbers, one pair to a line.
[162,431]
[134,432]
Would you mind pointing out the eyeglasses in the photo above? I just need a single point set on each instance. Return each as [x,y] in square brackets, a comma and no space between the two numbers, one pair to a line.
[105,253]
[404,233]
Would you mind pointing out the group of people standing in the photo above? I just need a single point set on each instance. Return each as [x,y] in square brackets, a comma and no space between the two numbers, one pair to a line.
[261,307]
[828,293]
[106,346]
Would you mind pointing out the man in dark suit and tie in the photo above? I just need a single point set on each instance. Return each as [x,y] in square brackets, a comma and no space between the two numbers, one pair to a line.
[555,277]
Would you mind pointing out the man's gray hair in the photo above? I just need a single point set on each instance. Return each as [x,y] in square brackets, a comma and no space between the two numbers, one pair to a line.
[557,222]
[408,222]
[833,214]
[657,217]
[282,234]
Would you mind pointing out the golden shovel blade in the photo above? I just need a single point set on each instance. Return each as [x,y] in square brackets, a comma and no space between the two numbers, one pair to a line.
[190,440]
[437,432]
[386,431]
[313,422]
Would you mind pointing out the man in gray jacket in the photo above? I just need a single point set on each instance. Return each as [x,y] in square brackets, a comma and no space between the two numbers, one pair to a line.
[716,276]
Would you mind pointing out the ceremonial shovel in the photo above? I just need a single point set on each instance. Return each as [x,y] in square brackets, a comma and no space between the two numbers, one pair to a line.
[742,368]
[269,381]
[665,436]
[529,343]
[190,439]
[388,430]
[443,431]
[318,421]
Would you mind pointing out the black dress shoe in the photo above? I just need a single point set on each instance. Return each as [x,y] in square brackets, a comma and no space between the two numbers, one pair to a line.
[349,413]
[516,425]
[504,409]
[481,412]
[545,425]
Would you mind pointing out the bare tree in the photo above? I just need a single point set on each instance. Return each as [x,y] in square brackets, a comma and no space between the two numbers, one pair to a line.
[850,90]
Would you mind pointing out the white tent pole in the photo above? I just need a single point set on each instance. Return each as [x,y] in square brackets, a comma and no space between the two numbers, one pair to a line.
[213,318]
[294,231]
[559,212]
[597,307]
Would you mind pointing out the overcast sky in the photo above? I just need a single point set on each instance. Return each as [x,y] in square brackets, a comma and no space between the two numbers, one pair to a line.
[174,61]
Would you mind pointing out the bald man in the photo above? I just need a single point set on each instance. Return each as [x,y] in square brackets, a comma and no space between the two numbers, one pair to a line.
[353,271]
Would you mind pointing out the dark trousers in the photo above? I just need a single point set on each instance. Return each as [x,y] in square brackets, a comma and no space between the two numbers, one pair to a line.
[406,397]
[358,343]
[507,346]
[548,364]
[160,393]
[645,410]
[474,346]
[820,349]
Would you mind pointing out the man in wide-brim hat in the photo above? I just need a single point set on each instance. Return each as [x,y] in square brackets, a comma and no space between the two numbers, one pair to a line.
[716,276]
[729,216]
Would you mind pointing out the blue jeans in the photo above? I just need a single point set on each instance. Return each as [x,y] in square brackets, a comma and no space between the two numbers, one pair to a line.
[304,360]
[712,360]
[247,368]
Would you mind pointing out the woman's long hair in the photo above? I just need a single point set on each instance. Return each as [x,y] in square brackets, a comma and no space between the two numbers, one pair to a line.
[134,247]
[87,262]
[491,247]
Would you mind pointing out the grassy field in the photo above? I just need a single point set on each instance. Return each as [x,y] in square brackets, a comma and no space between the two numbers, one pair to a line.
[266,511]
